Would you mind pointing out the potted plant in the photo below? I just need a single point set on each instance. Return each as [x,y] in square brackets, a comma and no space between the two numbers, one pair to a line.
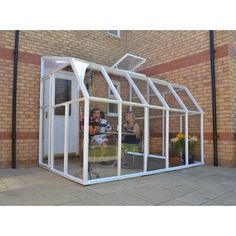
[175,150]
[192,141]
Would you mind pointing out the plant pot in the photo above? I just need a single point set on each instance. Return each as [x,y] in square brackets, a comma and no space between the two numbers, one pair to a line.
[190,159]
[175,161]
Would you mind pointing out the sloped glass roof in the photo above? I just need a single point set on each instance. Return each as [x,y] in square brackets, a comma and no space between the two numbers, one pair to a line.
[151,92]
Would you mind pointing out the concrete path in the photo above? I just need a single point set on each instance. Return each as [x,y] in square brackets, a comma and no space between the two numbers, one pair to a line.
[204,185]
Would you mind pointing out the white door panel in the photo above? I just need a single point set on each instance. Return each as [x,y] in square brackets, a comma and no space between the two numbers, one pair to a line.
[65,90]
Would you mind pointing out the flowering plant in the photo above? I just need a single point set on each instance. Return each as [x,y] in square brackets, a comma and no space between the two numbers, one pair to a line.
[178,143]
[192,141]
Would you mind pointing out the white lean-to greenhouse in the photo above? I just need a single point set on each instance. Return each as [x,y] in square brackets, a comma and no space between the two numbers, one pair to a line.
[100,123]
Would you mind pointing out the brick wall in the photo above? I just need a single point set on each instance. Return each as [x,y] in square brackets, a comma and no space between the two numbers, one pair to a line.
[96,46]
[183,57]
[232,77]
[177,56]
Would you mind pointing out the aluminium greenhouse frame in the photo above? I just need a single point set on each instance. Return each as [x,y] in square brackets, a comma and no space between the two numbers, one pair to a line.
[50,65]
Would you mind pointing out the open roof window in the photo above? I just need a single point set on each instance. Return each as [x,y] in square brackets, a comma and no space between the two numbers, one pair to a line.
[129,62]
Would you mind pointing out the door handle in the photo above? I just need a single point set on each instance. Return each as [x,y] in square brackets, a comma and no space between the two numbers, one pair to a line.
[46,114]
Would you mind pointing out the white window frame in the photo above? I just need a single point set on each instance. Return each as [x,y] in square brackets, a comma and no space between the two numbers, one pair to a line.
[114,35]
[112,96]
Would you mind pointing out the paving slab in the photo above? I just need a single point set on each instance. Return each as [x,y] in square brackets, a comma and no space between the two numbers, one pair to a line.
[230,181]
[126,199]
[227,199]
[153,195]
[212,179]
[175,202]
[212,203]
[19,195]
[85,194]
[14,183]
[3,187]
[194,198]
[99,201]
[55,190]
[10,200]
[184,189]
[5,173]
[205,185]
[202,170]
[111,187]
[212,189]
[220,170]
[144,181]
[51,201]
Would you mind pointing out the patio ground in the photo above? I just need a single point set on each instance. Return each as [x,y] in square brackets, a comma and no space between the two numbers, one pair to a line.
[205,185]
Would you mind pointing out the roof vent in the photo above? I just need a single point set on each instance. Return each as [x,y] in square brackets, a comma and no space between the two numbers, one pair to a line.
[129,62]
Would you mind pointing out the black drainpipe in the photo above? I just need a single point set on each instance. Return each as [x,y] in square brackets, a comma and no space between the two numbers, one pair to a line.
[14,95]
[213,94]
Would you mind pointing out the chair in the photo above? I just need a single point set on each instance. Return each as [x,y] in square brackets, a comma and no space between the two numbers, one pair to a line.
[99,155]
[138,148]
[91,147]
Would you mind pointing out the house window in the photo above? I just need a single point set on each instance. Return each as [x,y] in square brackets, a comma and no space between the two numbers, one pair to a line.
[62,94]
[113,108]
[115,33]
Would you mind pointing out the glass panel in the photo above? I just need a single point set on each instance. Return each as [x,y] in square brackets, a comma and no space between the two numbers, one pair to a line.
[126,91]
[130,62]
[194,138]
[142,86]
[186,99]
[156,140]
[46,84]
[134,97]
[51,64]
[177,139]
[45,129]
[45,121]
[147,92]
[112,109]
[58,142]
[62,94]
[103,143]
[168,96]
[96,85]
[132,140]
[153,99]
[116,85]
[75,140]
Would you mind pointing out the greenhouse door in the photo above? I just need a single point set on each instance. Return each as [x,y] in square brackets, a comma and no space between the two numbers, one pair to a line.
[65,90]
